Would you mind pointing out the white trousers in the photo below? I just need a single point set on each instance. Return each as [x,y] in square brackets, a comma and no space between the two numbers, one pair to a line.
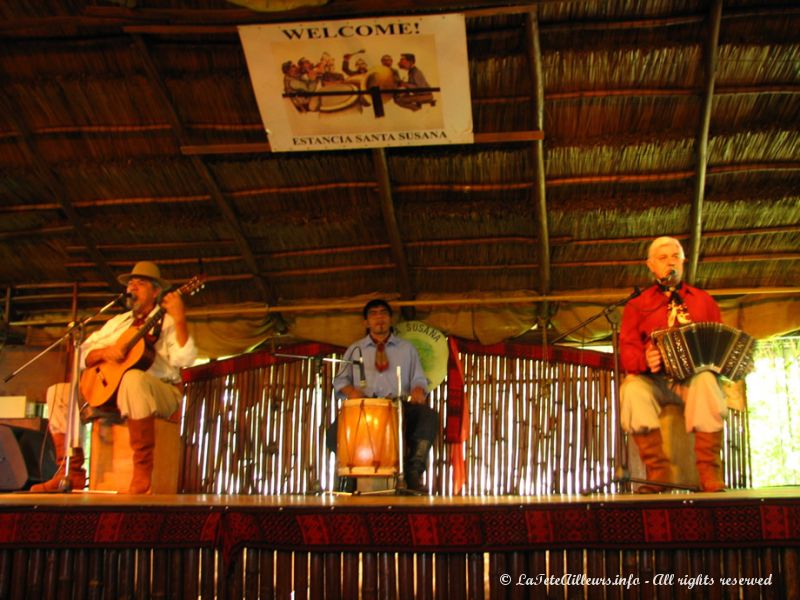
[57,407]
[642,396]
[139,396]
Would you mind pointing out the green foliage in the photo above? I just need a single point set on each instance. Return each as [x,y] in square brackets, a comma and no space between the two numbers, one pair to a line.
[773,399]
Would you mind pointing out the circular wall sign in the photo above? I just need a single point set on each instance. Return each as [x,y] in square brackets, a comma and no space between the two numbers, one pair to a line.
[431,345]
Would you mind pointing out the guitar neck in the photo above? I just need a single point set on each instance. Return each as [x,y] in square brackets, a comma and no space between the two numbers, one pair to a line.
[146,326]
[190,288]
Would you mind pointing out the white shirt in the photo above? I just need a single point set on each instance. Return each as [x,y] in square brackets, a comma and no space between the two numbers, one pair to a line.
[170,357]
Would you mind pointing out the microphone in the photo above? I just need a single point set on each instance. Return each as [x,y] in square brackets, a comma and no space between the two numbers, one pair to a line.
[362,378]
[123,298]
[670,276]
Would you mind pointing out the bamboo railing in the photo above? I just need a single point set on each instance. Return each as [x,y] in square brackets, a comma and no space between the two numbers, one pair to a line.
[539,423]
[264,573]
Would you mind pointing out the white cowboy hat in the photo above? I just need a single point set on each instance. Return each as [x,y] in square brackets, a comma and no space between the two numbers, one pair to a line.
[148,270]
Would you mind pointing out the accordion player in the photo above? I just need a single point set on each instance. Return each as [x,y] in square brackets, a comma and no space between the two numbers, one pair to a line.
[695,349]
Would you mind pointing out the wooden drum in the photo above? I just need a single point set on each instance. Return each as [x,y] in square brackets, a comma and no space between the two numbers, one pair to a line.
[367,438]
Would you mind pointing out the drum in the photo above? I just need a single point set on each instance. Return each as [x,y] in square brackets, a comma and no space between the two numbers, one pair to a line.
[367,438]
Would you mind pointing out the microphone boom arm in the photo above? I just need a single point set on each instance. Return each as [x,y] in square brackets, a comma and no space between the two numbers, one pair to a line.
[74,326]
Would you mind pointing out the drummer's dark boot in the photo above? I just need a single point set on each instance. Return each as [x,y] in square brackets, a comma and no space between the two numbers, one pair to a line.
[707,447]
[651,450]
[143,440]
[346,485]
[415,465]
[77,475]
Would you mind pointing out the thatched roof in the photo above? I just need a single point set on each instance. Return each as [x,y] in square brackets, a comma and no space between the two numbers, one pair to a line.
[133,133]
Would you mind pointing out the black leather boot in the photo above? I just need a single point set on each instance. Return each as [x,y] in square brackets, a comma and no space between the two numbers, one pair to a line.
[415,465]
[346,485]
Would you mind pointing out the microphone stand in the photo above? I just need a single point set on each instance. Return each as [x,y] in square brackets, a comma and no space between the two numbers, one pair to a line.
[622,473]
[75,331]
[400,487]
[314,485]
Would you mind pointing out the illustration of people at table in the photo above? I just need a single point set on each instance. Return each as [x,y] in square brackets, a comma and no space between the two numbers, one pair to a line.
[305,77]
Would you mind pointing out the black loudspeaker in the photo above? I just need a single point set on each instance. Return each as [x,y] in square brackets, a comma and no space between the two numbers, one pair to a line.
[26,457]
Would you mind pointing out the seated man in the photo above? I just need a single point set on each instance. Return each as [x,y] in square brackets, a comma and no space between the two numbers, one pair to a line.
[415,79]
[669,303]
[382,352]
[142,394]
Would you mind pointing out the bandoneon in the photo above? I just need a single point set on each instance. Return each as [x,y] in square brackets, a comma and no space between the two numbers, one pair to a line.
[699,347]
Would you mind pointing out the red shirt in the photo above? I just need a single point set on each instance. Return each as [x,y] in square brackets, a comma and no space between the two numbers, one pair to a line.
[648,312]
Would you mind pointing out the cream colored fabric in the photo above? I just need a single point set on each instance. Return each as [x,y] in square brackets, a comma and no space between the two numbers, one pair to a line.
[243,327]
[58,409]
[572,315]
[141,395]
[339,321]
[487,323]
[337,329]
[763,316]
[641,398]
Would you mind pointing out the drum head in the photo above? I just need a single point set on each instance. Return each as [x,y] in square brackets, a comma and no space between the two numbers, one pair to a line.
[431,345]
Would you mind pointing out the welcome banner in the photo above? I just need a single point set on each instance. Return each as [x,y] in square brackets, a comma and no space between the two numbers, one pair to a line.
[364,83]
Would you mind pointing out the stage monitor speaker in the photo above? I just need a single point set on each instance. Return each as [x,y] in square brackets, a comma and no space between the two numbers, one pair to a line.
[26,457]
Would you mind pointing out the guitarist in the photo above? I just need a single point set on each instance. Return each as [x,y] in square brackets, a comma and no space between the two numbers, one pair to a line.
[145,391]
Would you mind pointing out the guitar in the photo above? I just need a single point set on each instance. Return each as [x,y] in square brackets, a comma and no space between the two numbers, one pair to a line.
[99,383]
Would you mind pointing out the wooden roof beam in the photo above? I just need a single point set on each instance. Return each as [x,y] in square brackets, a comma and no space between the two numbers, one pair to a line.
[390,221]
[774,257]
[696,219]
[768,167]
[224,22]
[222,203]
[539,186]
[450,242]
[55,187]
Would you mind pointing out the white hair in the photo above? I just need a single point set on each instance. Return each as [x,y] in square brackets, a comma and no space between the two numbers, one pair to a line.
[661,241]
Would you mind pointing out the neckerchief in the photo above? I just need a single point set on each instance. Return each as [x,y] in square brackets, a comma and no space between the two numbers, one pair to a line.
[381,360]
[677,312]
[150,337]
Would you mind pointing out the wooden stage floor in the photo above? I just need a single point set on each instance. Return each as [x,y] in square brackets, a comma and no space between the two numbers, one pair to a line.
[328,500]
[742,543]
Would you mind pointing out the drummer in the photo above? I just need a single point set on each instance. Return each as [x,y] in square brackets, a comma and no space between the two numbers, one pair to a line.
[377,357]
[668,303]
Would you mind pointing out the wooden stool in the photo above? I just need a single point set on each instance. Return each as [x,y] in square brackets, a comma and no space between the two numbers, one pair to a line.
[678,446]
[112,458]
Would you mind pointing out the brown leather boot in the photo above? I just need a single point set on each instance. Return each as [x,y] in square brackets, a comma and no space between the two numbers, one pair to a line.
[77,474]
[707,447]
[658,468]
[143,440]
